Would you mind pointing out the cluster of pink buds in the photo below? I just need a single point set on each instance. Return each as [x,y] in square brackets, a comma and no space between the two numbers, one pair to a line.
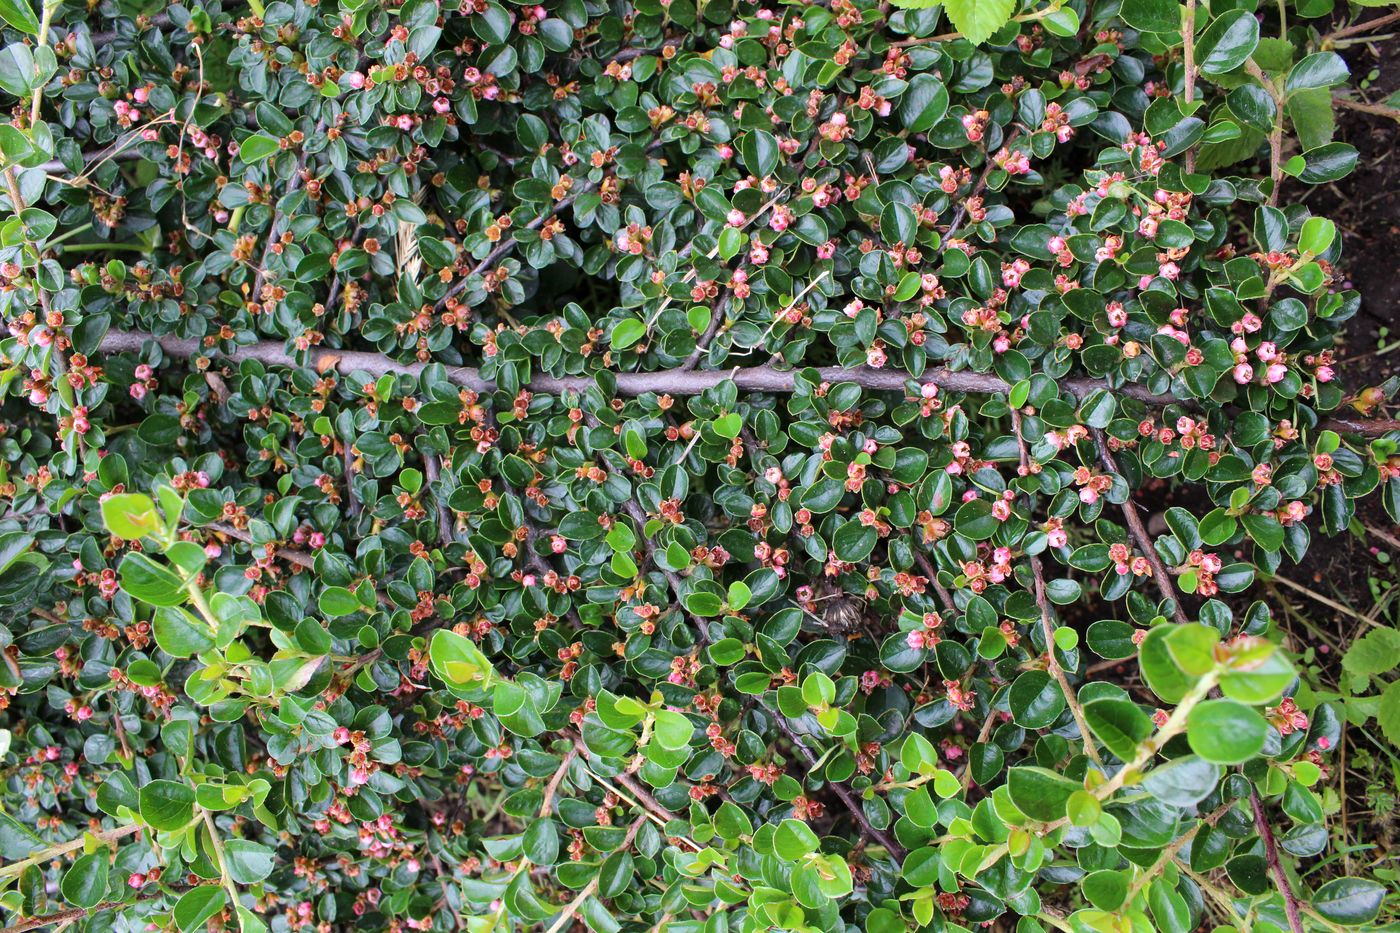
[960,697]
[975,124]
[1057,121]
[204,142]
[1124,562]
[530,17]
[1070,436]
[683,670]
[870,680]
[1273,361]
[715,733]
[1287,718]
[145,382]
[951,179]
[982,574]
[927,636]
[1091,485]
[837,128]
[305,536]
[1058,246]
[1109,250]
[1206,566]
[1012,272]
[1013,162]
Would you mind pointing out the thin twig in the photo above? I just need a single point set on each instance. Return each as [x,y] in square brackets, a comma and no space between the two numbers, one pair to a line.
[553,785]
[159,21]
[568,915]
[1329,603]
[1188,62]
[1285,887]
[961,213]
[292,556]
[221,859]
[1140,535]
[260,275]
[1176,846]
[1051,664]
[1361,106]
[352,501]
[1384,535]
[931,572]
[66,917]
[842,791]
[1276,133]
[672,578]
[433,471]
[63,848]
[1358,28]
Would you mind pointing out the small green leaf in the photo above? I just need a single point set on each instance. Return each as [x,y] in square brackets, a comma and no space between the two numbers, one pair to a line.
[248,862]
[85,883]
[19,14]
[1349,901]
[627,333]
[728,426]
[197,905]
[1317,234]
[458,661]
[167,805]
[179,634]
[130,516]
[793,840]
[818,689]
[1227,43]
[1161,16]
[258,147]
[673,730]
[1225,732]
[1040,793]
[978,19]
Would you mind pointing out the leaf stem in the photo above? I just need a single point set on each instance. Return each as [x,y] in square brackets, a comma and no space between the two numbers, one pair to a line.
[222,859]
[46,20]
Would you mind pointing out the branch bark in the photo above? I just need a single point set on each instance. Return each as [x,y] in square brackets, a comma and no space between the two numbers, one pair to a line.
[764,378]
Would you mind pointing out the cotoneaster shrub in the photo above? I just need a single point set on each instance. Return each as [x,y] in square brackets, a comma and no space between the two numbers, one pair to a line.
[670,467]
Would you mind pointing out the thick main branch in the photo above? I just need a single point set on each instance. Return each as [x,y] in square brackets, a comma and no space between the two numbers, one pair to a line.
[670,381]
